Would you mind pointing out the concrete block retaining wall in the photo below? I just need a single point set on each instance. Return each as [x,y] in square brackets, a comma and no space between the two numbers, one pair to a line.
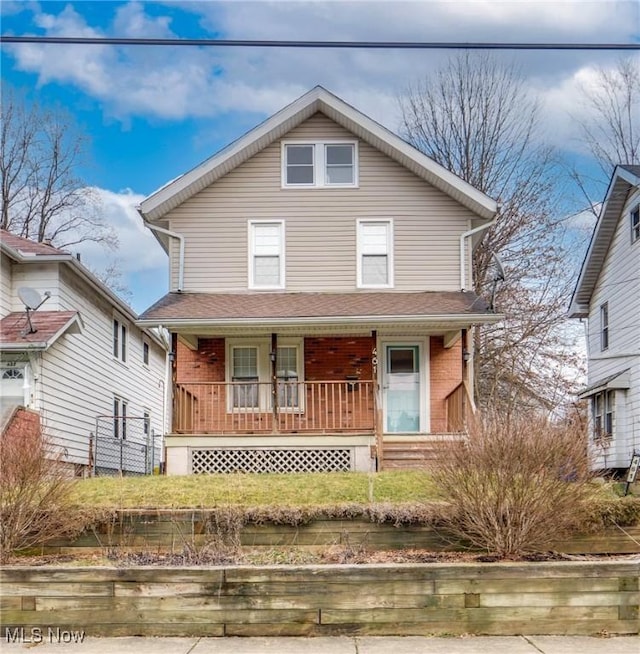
[420,599]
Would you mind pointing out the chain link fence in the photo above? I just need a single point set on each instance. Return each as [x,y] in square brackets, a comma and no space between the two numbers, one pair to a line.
[125,446]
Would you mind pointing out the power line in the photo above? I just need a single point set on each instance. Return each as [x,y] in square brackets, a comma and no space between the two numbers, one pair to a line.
[379,45]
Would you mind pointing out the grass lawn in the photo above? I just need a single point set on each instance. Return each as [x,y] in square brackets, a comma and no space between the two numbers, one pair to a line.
[255,490]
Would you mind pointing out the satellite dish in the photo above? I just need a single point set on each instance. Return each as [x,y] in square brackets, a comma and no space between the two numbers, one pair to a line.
[32,301]
[30,297]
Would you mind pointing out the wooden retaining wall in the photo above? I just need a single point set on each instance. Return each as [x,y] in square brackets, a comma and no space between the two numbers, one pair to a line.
[420,599]
[172,530]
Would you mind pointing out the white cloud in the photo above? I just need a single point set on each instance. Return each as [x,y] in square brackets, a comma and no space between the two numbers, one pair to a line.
[138,249]
[176,83]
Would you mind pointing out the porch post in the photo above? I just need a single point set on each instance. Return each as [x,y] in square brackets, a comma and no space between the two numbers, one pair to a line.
[273,356]
[377,404]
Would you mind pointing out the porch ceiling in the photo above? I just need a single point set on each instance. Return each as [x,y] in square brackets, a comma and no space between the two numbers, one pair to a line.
[436,311]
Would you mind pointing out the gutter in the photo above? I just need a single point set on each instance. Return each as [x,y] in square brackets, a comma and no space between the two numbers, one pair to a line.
[180,238]
[463,236]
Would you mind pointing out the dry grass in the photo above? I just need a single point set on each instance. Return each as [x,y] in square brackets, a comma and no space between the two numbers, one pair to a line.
[291,490]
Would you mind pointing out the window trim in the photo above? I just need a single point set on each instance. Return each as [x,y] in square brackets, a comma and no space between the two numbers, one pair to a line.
[359,253]
[604,326]
[120,406]
[634,223]
[119,339]
[319,163]
[251,256]
[603,411]
[146,353]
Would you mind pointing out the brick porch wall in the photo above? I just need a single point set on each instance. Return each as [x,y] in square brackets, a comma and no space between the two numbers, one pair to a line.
[446,374]
[206,364]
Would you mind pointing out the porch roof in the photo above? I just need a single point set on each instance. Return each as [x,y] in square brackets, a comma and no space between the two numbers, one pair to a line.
[190,309]
[48,326]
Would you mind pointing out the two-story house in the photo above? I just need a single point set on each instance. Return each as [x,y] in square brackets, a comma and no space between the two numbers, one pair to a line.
[607,295]
[320,311]
[79,361]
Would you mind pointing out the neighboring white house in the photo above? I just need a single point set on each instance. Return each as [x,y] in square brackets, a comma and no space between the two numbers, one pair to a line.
[608,296]
[81,356]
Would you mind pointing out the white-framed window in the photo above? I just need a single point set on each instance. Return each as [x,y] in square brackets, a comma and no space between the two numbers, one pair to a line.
[635,224]
[145,352]
[249,369]
[319,164]
[119,418]
[266,254]
[375,253]
[604,326]
[602,408]
[146,424]
[120,334]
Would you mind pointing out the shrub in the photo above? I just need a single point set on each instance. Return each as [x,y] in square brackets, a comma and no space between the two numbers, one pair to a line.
[35,492]
[516,485]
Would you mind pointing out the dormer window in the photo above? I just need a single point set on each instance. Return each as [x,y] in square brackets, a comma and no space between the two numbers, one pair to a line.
[319,164]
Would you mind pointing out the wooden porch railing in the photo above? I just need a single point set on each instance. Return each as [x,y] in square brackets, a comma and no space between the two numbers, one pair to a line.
[460,408]
[257,407]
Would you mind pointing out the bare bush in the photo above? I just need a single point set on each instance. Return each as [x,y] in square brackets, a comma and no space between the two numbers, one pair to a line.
[516,485]
[35,493]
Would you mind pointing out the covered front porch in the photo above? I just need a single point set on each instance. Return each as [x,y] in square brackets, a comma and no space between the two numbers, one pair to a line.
[296,382]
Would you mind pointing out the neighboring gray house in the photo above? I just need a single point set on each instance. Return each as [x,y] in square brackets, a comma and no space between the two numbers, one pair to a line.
[607,295]
[83,356]
[319,304]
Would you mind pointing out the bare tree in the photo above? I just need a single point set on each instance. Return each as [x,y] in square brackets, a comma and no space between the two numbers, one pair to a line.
[611,130]
[475,117]
[42,197]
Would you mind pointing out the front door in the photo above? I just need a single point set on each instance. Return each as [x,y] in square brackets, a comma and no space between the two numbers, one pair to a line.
[401,386]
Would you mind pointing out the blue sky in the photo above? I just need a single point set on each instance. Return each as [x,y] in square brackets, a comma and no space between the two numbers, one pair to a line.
[154,113]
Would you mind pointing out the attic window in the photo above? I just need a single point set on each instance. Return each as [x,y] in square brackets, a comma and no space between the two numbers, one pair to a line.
[635,224]
[319,164]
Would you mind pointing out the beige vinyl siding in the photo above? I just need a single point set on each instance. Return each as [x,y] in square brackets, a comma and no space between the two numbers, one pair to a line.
[79,376]
[619,286]
[320,223]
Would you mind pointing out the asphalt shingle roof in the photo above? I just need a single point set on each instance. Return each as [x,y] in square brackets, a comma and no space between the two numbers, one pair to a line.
[215,306]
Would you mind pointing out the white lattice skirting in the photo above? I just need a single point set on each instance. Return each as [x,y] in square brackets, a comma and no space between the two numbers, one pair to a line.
[229,460]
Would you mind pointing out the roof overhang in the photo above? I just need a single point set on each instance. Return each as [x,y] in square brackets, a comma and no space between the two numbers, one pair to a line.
[31,342]
[622,181]
[619,381]
[157,205]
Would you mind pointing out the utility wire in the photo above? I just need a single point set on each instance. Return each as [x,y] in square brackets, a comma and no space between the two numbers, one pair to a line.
[384,45]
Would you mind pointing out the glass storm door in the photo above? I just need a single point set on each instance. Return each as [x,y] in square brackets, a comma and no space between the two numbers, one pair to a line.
[402,389]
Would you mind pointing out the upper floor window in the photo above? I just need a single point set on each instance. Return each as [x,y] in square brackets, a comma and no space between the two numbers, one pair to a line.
[375,254]
[145,353]
[635,224]
[119,340]
[604,326]
[319,164]
[266,254]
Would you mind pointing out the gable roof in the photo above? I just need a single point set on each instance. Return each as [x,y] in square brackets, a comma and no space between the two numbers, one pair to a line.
[318,99]
[623,180]
[48,326]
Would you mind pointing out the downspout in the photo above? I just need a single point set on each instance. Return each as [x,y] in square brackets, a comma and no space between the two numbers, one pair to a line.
[464,236]
[180,238]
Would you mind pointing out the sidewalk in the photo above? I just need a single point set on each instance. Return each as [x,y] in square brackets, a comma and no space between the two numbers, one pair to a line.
[340,645]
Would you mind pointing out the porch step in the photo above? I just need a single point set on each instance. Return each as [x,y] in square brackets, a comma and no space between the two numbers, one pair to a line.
[413,454]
